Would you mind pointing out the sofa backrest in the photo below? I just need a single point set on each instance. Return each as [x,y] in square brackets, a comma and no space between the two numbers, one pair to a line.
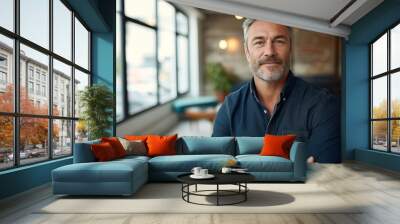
[192,145]
[249,145]
[83,152]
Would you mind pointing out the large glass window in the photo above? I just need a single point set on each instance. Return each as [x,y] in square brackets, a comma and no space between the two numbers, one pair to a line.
[141,67]
[7,14]
[35,21]
[40,62]
[6,73]
[46,79]
[153,62]
[81,45]
[62,28]
[385,94]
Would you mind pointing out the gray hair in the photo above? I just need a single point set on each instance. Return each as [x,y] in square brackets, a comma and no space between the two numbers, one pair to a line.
[246,26]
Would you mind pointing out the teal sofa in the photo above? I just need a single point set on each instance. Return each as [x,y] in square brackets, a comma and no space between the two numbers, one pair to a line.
[125,176]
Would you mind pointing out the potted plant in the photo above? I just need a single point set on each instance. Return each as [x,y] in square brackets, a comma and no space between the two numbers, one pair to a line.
[222,80]
[96,102]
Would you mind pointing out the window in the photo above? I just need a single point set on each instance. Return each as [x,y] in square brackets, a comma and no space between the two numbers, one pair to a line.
[44,91]
[141,67]
[30,72]
[3,78]
[37,89]
[81,45]
[7,14]
[152,65]
[6,87]
[45,131]
[62,29]
[30,87]
[385,94]
[3,61]
[34,26]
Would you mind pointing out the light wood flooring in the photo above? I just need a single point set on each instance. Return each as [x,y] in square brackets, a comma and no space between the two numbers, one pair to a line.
[377,188]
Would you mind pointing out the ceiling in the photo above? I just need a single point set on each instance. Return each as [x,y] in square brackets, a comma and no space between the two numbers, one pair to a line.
[333,17]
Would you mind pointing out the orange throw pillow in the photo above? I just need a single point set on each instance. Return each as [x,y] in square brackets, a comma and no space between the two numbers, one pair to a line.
[103,152]
[136,137]
[277,145]
[116,145]
[161,145]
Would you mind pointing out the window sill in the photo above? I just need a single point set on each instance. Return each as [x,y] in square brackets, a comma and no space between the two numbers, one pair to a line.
[26,167]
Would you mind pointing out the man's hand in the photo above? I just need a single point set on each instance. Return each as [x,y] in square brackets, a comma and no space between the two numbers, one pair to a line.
[311,160]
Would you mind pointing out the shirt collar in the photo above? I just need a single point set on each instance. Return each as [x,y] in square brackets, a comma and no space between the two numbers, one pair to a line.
[287,88]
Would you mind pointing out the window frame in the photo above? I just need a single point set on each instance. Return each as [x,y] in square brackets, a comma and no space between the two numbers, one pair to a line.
[124,20]
[16,115]
[388,74]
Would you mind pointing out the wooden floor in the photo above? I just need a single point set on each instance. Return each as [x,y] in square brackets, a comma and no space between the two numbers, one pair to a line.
[378,189]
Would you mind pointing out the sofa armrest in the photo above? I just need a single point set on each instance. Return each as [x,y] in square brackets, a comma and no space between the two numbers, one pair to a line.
[298,156]
[83,152]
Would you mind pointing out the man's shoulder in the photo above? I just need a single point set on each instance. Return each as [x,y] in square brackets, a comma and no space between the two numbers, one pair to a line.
[238,94]
[310,90]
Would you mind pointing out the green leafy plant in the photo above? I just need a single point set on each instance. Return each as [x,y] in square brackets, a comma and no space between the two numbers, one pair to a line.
[220,78]
[97,103]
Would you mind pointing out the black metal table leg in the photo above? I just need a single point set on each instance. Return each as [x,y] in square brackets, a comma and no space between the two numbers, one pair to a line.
[245,193]
[217,194]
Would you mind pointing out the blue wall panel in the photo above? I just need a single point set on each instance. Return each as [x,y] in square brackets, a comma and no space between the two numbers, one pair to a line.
[356,84]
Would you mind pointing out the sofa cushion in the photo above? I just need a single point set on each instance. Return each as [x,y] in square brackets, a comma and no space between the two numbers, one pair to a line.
[116,145]
[103,151]
[257,163]
[277,145]
[185,163]
[134,147]
[249,145]
[161,145]
[197,145]
[83,152]
[112,171]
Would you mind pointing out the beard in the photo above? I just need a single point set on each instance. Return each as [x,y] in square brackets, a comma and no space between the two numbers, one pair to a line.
[272,74]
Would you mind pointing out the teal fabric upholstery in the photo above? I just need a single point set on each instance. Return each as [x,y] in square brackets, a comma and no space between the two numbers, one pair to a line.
[167,168]
[194,145]
[185,163]
[119,177]
[298,155]
[180,105]
[249,145]
[257,163]
[83,152]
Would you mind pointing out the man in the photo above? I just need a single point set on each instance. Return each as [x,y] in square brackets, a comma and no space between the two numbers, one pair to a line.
[276,102]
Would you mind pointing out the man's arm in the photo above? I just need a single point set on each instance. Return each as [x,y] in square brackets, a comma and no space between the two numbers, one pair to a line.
[324,142]
[222,122]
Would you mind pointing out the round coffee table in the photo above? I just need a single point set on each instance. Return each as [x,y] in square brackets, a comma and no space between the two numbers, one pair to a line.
[238,179]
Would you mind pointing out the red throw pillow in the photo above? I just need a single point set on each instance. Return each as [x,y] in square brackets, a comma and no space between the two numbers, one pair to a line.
[103,151]
[116,145]
[136,137]
[277,145]
[161,145]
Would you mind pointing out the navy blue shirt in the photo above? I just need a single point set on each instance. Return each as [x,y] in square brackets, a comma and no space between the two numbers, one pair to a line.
[309,112]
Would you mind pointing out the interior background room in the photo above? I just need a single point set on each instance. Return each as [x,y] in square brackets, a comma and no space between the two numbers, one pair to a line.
[186,40]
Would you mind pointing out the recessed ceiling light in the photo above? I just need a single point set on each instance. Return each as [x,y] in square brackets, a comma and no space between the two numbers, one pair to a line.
[239,17]
[223,44]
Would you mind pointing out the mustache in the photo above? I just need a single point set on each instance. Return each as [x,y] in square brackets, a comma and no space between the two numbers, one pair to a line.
[269,60]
